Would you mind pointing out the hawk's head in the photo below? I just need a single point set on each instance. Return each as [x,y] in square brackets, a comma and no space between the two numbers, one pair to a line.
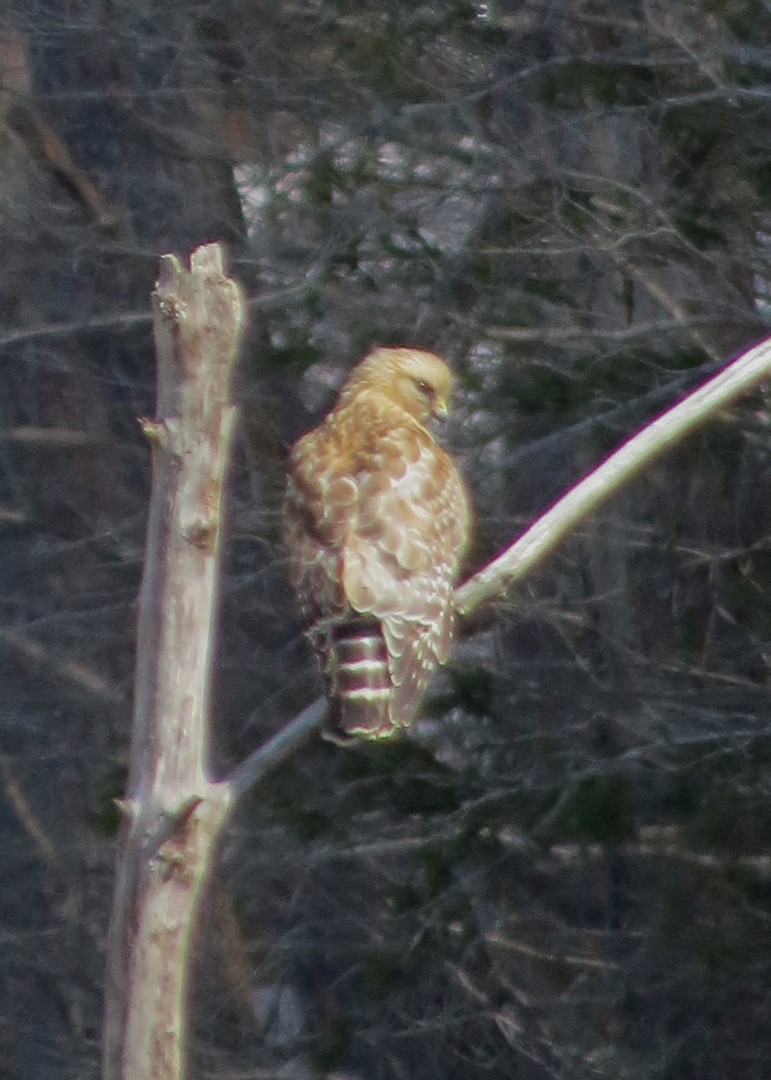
[419,382]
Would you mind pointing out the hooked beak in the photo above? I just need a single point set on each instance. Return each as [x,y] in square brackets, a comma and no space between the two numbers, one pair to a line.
[441,409]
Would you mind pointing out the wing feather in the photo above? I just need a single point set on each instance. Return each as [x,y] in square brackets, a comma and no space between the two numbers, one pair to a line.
[402,572]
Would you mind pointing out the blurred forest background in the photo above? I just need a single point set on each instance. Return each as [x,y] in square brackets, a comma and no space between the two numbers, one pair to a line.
[566,871]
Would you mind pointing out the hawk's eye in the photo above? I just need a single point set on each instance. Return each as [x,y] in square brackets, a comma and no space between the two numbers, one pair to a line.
[424,388]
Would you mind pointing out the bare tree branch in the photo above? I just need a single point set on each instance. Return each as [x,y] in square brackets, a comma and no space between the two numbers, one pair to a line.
[744,373]
[173,811]
[276,750]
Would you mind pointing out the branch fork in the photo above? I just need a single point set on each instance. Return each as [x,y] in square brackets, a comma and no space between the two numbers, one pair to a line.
[174,811]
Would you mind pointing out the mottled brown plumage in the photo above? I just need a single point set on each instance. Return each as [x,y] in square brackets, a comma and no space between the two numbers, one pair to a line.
[376,521]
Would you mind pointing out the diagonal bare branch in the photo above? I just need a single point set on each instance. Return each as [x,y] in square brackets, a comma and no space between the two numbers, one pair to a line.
[618,470]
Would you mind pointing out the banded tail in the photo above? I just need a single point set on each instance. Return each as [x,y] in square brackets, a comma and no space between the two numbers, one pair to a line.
[359,683]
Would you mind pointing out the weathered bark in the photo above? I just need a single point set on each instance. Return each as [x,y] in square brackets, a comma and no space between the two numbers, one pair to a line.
[174,810]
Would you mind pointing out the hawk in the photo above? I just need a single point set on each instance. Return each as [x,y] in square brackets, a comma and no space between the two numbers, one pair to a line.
[376,521]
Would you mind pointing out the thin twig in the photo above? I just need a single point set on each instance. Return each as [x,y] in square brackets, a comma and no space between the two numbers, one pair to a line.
[276,750]
[81,675]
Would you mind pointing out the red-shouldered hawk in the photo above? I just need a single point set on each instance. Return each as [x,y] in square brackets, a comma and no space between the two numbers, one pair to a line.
[376,521]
